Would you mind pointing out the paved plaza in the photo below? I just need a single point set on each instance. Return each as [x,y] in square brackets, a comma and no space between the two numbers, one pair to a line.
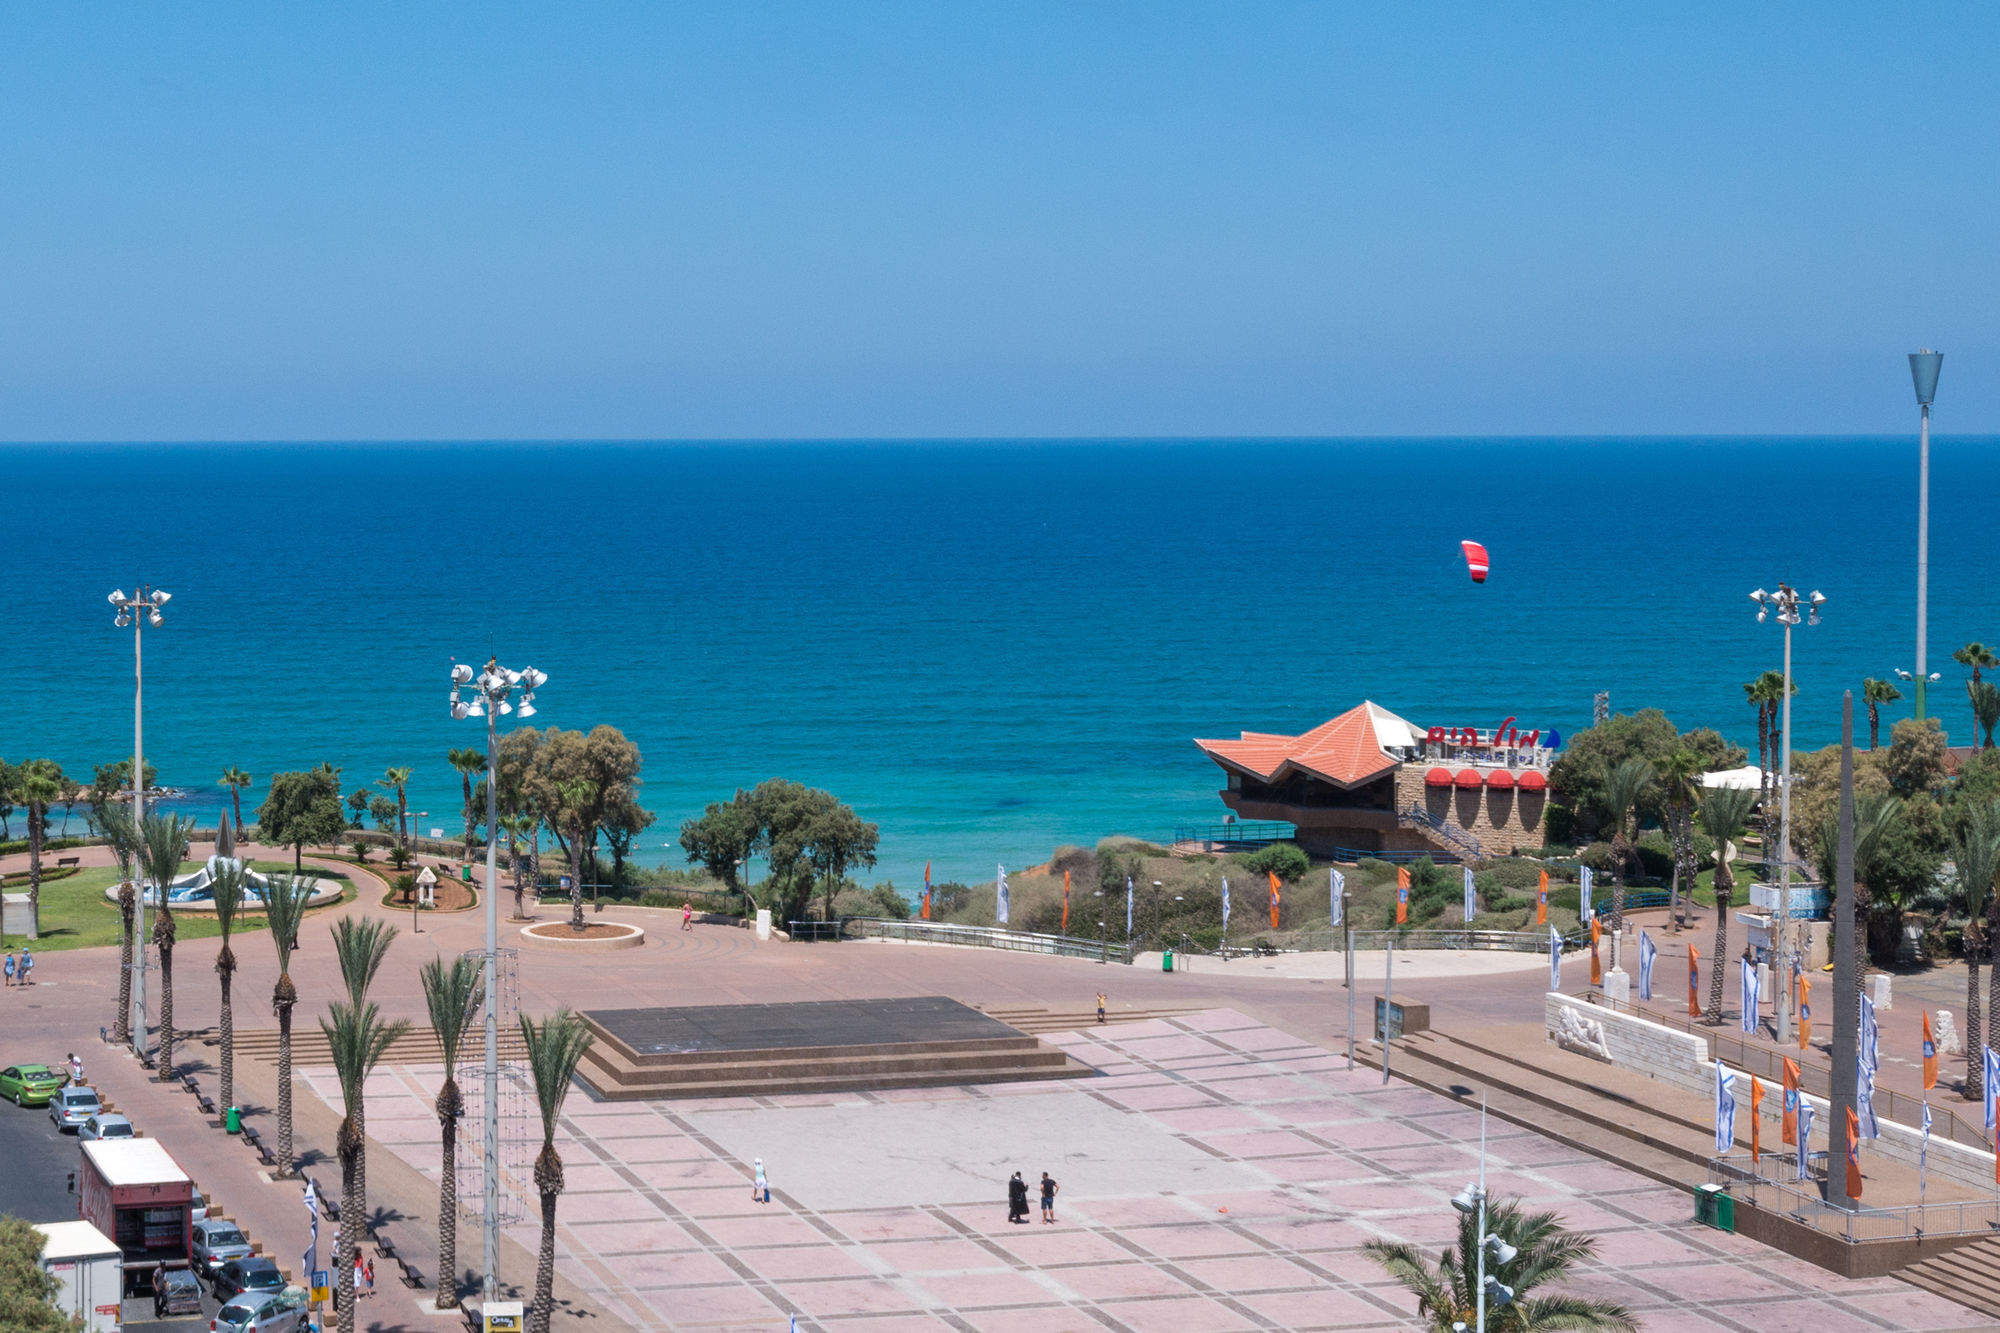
[1220,1175]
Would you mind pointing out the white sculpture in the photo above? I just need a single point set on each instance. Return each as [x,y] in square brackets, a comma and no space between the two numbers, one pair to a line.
[1947,1034]
[1583,1035]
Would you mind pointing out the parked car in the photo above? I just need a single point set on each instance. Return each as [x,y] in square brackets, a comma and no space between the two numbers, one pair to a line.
[197,1206]
[71,1106]
[263,1312]
[216,1242]
[29,1085]
[175,1291]
[107,1125]
[240,1275]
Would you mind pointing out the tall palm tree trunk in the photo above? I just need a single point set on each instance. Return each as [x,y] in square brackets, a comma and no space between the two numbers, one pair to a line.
[228,1038]
[449,1104]
[576,880]
[1992,934]
[350,1223]
[126,904]
[236,806]
[163,935]
[1973,1082]
[549,1181]
[1725,890]
[282,1000]
[35,831]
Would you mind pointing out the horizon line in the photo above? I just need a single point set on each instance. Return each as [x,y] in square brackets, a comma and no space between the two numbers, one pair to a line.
[1591,437]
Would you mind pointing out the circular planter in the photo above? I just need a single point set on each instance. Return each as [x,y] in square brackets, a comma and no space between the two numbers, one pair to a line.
[596,935]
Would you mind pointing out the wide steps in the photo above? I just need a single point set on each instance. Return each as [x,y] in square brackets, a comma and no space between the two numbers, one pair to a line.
[797,1066]
[417,1046]
[1039,1020]
[1969,1275]
[829,1082]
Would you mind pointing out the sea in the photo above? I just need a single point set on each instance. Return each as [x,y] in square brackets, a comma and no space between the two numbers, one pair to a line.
[989,648]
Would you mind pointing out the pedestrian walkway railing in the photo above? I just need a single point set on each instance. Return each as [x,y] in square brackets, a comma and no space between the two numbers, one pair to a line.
[978,937]
[1772,1186]
[1244,835]
[1356,855]
[1767,1062]
[1505,941]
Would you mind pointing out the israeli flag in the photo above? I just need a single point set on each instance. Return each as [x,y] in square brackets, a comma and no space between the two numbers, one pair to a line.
[1992,1068]
[1870,1036]
[1587,879]
[1750,996]
[1555,960]
[1805,1139]
[1864,1102]
[1924,1148]
[1000,901]
[1337,886]
[1128,905]
[1725,1109]
[1471,899]
[312,1221]
[1225,907]
[1647,953]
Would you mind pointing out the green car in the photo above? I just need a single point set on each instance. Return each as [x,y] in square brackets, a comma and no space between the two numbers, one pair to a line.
[29,1085]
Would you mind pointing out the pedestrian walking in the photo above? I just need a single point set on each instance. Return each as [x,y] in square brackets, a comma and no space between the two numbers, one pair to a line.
[75,1069]
[760,1192]
[687,917]
[1017,1199]
[368,1273]
[1048,1198]
[10,967]
[360,1276]
[27,964]
[1100,1006]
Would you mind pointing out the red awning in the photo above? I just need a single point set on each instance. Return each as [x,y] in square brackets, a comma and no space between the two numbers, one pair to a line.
[1501,780]
[1467,777]
[1438,777]
[1532,781]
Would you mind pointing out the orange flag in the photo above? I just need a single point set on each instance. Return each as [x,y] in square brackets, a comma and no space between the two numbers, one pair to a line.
[1065,924]
[1756,1119]
[1853,1155]
[1694,981]
[1788,1120]
[1596,965]
[1805,1011]
[1274,898]
[1542,901]
[927,891]
[1403,894]
[1930,1061]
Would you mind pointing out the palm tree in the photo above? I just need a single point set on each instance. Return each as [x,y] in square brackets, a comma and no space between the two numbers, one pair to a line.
[1874,816]
[1623,791]
[453,996]
[1680,776]
[285,899]
[236,780]
[518,828]
[1875,693]
[397,780]
[229,881]
[1977,656]
[1723,813]
[163,841]
[469,763]
[1762,692]
[554,1050]
[360,945]
[575,797]
[1545,1251]
[39,784]
[356,1036]
[1985,709]
[115,823]
[1976,855]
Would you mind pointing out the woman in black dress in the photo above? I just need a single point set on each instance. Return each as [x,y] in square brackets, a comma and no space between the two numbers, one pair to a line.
[1017,1199]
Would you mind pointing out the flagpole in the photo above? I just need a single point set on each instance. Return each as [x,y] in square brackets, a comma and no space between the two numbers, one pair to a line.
[1350,999]
[1388,990]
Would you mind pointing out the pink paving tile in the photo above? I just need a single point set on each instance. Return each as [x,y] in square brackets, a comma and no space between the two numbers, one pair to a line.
[628,1237]
[1200,1119]
[1129,1212]
[1248,1273]
[1192,1240]
[1036,1319]
[1262,1143]
[846,1296]
[1913,1309]
[589,1178]
[622,1206]
[1178,1045]
[908,1323]
[764,1227]
[1160,1099]
[1739,1282]
[1214,1020]
[971,1291]
[1193,1314]
[1646,1248]
[718,1201]
[1047,1247]
[659,1148]
[675,1176]
[624,1125]
[942,1255]
[685,1307]
[1126,1033]
[1098,1282]
[792,1262]
[1266,1040]
[1799,1316]
[891,1224]
[684,1268]
[1317,1308]
[1385,1195]
[1369,1134]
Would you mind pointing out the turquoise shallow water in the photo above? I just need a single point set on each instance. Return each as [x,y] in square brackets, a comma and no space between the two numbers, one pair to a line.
[989,648]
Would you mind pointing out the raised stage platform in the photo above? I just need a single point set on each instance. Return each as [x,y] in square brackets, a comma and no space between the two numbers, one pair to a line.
[735,1050]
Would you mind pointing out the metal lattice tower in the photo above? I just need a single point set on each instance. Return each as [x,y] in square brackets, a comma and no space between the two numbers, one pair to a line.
[1600,708]
[520,1121]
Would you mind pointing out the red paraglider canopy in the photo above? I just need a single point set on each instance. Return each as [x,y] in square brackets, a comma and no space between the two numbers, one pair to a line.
[1475,560]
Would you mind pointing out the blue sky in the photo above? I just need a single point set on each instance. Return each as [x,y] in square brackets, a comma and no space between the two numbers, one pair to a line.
[472,221]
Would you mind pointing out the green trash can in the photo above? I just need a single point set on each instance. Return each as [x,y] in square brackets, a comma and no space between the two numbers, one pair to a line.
[1714,1207]
[465,873]
[232,1119]
[1167,961]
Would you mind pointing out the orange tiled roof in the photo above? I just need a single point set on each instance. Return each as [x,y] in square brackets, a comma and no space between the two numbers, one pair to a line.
[1344,751]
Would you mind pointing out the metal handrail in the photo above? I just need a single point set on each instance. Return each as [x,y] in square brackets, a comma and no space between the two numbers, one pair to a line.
[984,937]
[1255,830]
[1514,941]
[1806,1202]
[1456,834]
[1438,855]
[1767,1063]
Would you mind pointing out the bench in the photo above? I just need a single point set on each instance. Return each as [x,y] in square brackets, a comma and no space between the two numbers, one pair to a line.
[187,1082]
[411,1277]
[383,1245]
[62,861]
[207,1105]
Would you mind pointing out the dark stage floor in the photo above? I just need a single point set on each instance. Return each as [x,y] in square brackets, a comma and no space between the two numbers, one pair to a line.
[813,1023]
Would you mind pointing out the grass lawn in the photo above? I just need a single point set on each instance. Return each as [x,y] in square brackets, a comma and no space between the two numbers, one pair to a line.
[77,915]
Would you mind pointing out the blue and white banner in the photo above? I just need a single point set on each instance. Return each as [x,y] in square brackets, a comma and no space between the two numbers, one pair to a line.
[1225,906]
[1555,960]
[1805,1138]
[312,1220]
[1336,886]
[1864,1101]
[1924,1148]
[1128,908]
[1750,994]
[1871,1037]
[1992,1093]
[1000,899]
[1471,897]
[1725,1109]
[1586,882]
[1648,951]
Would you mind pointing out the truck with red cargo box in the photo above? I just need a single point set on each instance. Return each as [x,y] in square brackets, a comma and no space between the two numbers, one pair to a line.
[133,1191]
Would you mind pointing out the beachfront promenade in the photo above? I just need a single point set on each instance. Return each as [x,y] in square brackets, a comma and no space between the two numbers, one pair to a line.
[888,1207]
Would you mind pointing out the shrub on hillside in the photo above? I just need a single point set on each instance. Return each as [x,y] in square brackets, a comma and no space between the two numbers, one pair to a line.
[1283,859]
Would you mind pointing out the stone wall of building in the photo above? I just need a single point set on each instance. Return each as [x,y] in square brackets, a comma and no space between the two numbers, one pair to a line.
[1503,821]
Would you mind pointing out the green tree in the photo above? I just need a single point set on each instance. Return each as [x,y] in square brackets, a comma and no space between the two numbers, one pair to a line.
[470,764]
[563,760]
[576,799]
[1580,775]
[1680,781]
[360,945]
[1875,693]
[357,801]
[1545,1251]
[1985,709]
[1876,849]
[554,1051]
[285,899]
[27,1291]
[398,781]
[725,835]
[1283,859]
[837,839]
[163,842]
[624,820]
[383,811]
[1723,813]
[517,829]
[1624,792]
[452,994]
[236,780]
[1979,657]
[301,810]
[10,776]
[1976,863]
[357,1035]
[40,782]
[229,885]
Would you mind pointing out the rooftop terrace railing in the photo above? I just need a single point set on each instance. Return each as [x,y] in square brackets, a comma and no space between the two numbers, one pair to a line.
[1246,835]
[978,937]
[1804,1201]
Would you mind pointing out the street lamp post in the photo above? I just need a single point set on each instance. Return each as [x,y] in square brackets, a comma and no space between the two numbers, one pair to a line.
[1924,368]
[490,691]
[1786,602]
[142,608]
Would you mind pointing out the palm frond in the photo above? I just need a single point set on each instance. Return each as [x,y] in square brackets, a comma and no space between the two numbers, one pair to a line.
[453,994]
[360,945]
[229,884]
[554,1051]
[357,1036]
[285,899]
[1573,1312]
[163,841]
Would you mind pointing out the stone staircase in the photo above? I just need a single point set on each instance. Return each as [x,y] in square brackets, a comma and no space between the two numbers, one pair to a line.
[1038,1019]
[1970,1276]
[418,1046]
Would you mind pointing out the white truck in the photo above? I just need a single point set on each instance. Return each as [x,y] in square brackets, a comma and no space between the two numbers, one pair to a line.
[88,1269]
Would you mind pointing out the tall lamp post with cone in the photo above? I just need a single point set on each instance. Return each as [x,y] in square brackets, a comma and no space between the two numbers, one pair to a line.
[491,691]
[139,610]
[1924,368]
[1785,603]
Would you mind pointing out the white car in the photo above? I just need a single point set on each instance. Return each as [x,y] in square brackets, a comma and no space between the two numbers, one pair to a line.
[107,1125]
[263,1312]
[69,1107]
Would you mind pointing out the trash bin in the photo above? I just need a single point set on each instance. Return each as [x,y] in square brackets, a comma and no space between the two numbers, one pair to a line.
[1167,961]
[232,1119]
[1713,1207]
[465,873]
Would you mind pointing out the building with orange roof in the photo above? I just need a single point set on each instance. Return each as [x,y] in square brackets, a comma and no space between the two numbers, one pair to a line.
[1369,781]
